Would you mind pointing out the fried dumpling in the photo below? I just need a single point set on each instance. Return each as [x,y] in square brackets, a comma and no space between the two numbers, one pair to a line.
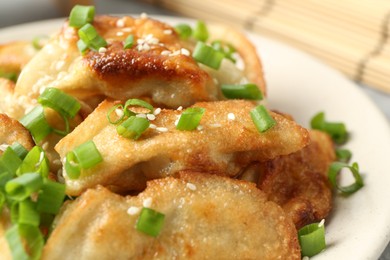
[15,55]
[221,145]
[156,67]
[206,216]
[299,183]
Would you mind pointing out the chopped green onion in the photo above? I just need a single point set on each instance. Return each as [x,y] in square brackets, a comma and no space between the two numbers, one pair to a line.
[61,102]
[2,199]
[200,31]
[81,15]
[4,178]
[226,49]
[23,186]
[51,197]
[35,121]
[9,75]
[137,102]
[262,119]
[16,244]
[84,156]
[39,41]
[334,170]
[207,55]
[190,118]
[82,46]
[111,110]
[33,239]
[133,127]
[312,239]
[91,38]
[35,161]
[150,222]
[27,213]
[10,161]
[129,42]
[242,91]
[343,155]
[337,131]
[19,150]
[184,31]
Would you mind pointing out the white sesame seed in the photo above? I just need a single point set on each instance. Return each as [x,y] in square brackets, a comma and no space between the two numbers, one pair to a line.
[185,52]
[153,126]
[120,33]
[199,127]
[120,23]
[147,203]
[231,116]
[102,50]
[175,53]
[57,162]
[191,186]
[162,129]
[140,41]
[166,52]
[146,47]
[157,111]
[321,223]
[133,210]
[144,15]
[215,125]
[45,145]
[119,112]
[3,147]
[305,258]
[180,108]
[151,117]
[167,32]
[141,115]
[127,29]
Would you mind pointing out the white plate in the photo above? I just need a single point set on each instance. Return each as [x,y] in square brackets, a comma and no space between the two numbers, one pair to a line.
[359,226]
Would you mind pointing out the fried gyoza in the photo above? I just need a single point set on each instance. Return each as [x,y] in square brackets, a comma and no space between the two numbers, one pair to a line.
[220,145]
[205,216]
[156,67]
[299,183]
[15,55]
[12,131]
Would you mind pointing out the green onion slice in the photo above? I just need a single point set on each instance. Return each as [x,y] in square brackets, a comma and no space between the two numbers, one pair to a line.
[334,170]
[35,161]
[2,199]
[129,42]
[39,41]
[190,118]
[16,244]
[139,103]
[27,213]
[184,31]
[10,161]
[9,75]
[150,222]
[81,15]
[112,110]
[227,49]
[242,91]
[337,131]
[343,155]
[61,102]
[91,38]
[82,46]
[51,197]
[207,55]
[262,119]
[133,127]
[84,156]
[19,150]
[312,239]
[35,121]
[23,186]
[200,31]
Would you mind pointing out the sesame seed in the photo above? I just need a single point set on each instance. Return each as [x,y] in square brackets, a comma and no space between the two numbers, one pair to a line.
[191,186]
[119,33]
[215,125]
[57,162]
[153,126]
[102,50]
[133,210]
[180,108]
[175,53]
[3,147]
[45,145]
[147,203]
[321,223]
[144,15]
[151,117]
[162,129]
[231,116]
[141,115]
[167,32]
[185,52]
[127,29]
[199,127]
[305,258]
[146,47]
[120,23]
[157,111]
[166,52]
[119,112]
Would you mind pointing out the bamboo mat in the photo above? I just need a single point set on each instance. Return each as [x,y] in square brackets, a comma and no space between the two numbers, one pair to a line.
[352,36]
